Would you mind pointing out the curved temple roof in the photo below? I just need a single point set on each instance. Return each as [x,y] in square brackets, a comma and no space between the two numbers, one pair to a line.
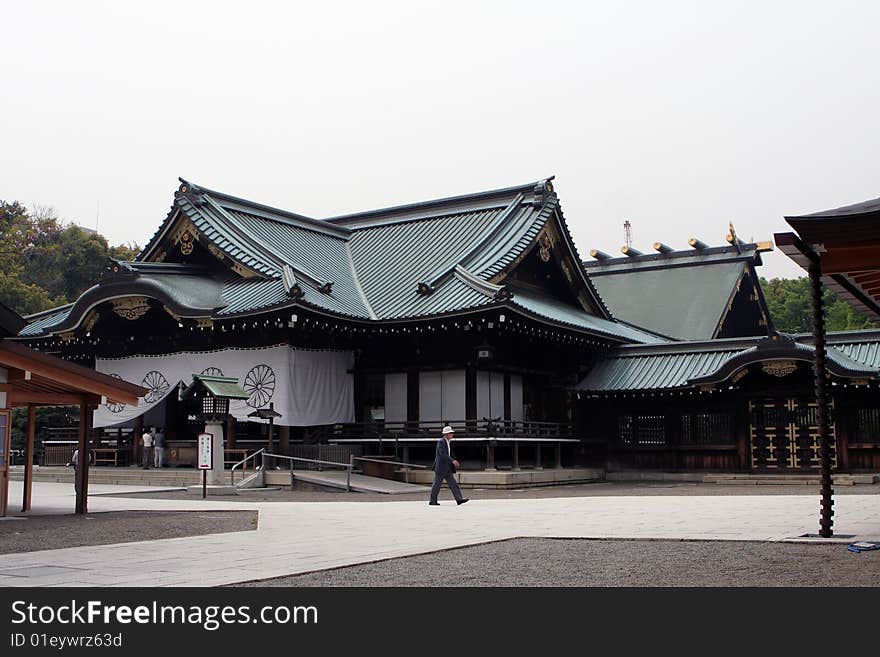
[403,263]
[682,365]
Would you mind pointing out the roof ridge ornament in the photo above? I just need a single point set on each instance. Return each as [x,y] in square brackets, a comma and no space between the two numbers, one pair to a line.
[542,190]
[118,269]
[289,275]
[498,292]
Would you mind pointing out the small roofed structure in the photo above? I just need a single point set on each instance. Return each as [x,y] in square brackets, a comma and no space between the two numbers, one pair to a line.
[840,248]
[29,379]
[267,414]
[699,293]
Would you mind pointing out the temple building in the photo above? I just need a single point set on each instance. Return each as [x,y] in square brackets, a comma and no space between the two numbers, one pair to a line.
[370,331]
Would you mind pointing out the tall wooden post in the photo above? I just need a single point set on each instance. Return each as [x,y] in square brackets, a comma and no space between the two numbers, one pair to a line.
[136,434]
[29,459]
[82,468]
[826,504]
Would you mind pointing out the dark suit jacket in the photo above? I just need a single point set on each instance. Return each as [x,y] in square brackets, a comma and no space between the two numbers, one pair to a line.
[443,458]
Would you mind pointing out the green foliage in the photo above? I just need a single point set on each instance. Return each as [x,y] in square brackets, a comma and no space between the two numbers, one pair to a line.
[44,417]
[45,263]
[788,300]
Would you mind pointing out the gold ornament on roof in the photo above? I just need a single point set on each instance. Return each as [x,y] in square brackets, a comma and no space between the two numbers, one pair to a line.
[544,245]
[780,368]
[131,308]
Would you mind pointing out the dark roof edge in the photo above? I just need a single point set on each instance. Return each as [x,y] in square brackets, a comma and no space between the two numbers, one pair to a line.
[648,261]
[315,224]
[30,319]
[525,189]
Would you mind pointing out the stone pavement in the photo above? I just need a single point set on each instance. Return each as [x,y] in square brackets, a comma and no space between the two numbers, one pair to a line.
[297,537]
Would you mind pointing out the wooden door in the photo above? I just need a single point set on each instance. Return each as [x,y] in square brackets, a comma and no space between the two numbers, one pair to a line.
[784,434]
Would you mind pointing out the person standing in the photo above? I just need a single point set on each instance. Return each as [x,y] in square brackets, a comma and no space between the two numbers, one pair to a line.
[147,443]
[444,468]
[158,448]
[74,461]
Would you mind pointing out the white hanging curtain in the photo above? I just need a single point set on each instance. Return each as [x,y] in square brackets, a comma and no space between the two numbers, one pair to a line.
[308,387]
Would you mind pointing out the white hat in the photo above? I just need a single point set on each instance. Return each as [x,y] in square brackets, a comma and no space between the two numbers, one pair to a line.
[447,429]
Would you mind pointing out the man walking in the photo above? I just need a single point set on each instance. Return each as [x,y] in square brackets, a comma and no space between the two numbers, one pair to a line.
[444,467]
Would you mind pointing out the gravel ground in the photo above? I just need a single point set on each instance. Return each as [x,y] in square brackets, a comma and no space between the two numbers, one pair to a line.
[605,563]
[31,533]
[575,490]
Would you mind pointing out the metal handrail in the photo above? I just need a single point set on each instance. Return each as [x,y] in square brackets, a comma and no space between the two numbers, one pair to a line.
[407,465]
[349,465]
[242,462]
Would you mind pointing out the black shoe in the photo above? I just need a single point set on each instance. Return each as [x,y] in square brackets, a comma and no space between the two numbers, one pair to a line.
[461,501]
[433,503]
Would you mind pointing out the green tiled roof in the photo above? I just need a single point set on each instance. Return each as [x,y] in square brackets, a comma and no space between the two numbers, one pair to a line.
[218,386]
[687,363]
[683,294]
[407,262]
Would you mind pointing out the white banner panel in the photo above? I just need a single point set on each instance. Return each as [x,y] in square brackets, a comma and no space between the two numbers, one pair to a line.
[441,396]
[516,398]
[395,397]
[490,395]
[308,387]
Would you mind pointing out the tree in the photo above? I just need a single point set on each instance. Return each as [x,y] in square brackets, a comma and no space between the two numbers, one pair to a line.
[45,263]
[788,300]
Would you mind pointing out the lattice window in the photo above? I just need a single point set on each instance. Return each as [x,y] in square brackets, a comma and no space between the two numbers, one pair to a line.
[625,432]
[868,426]
[641,430]
[707,428]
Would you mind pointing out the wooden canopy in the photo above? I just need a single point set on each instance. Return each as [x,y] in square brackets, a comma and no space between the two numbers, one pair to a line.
[44,380]
[37,379]
[846,241]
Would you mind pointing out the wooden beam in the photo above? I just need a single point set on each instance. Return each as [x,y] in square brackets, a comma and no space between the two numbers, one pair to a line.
[24,398]
[17,356]
[851,259]
[866,279]
[28,484]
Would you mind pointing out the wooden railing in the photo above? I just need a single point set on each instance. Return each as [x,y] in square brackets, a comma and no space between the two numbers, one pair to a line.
[483,428]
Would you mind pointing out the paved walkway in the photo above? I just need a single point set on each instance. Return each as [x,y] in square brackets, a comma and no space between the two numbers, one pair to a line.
[296,537]
[359,483]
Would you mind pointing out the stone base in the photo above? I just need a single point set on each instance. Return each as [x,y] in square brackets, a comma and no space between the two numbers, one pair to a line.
[524,478]
[213,489]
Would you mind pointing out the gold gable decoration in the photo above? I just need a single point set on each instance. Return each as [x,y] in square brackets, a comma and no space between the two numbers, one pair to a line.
[131,308]
[779,368]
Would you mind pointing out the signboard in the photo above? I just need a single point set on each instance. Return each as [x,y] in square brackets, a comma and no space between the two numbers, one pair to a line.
[206,451]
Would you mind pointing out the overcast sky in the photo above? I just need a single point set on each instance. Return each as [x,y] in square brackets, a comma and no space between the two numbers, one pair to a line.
[679,116]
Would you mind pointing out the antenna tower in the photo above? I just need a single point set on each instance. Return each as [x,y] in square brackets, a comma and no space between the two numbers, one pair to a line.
[627,233]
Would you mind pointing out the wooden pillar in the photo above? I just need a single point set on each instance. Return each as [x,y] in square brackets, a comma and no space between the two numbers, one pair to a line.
[842,433]
[28,484]
[490,454]
[826,492]
[470,398]
[741,425]
[229,430]
[412,401]
[506,415]
[136,434]
[284,440]
[82,468]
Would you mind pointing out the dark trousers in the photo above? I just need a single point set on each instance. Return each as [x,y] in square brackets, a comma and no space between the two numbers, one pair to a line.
[147,457]
[450,481]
